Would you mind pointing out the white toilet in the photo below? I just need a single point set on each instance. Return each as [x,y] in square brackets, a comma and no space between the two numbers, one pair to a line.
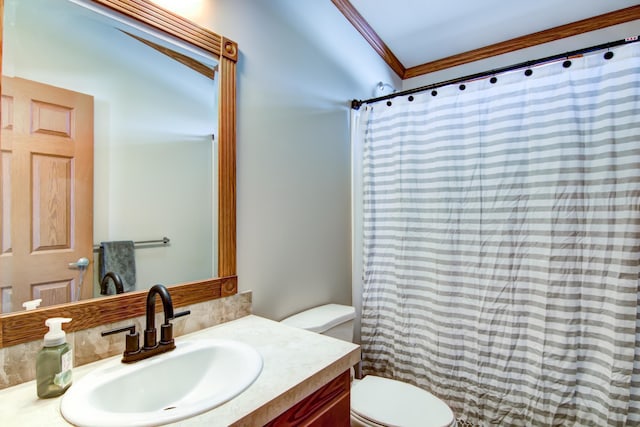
[376,401]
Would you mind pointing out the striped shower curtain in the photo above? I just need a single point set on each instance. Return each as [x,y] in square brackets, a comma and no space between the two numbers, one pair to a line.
[501,242]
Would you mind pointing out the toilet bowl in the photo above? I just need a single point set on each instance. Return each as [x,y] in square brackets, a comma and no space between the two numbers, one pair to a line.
[376,401]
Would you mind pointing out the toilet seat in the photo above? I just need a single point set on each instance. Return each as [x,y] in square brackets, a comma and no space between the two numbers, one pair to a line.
[378,401]
[358,421]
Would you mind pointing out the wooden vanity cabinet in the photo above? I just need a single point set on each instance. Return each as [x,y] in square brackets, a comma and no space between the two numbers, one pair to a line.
[329,406]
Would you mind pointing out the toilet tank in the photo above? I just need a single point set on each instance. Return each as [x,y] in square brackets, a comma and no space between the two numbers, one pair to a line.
[333,320]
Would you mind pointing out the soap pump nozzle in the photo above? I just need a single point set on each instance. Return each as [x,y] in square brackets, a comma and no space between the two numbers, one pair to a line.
[32,305]
[56,335]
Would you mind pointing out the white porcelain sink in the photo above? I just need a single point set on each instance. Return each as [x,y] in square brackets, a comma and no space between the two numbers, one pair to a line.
[195,377]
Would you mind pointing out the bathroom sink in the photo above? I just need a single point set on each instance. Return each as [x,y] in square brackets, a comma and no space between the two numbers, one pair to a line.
[194,378]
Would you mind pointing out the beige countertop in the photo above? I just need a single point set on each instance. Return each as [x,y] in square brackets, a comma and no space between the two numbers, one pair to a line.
[296,363]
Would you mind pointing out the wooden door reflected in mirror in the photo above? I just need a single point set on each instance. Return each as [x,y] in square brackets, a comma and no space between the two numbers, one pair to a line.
[47,179]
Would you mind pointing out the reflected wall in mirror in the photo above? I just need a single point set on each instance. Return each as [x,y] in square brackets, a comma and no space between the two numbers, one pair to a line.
[154,119]
[18,327]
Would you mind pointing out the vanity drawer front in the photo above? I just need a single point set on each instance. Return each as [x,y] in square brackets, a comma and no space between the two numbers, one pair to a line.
[329,406]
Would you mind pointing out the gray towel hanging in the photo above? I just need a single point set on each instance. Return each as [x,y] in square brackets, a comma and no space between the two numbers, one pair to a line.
[119,257]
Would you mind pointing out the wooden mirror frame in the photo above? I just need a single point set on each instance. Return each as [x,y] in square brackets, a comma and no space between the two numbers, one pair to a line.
[21,327]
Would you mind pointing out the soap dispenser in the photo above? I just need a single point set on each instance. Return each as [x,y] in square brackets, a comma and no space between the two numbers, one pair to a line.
[54,361]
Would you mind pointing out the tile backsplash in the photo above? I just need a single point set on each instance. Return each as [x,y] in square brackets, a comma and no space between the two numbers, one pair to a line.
[18,362]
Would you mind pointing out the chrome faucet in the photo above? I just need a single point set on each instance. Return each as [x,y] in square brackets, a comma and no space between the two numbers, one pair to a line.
[117,283]
[151,346]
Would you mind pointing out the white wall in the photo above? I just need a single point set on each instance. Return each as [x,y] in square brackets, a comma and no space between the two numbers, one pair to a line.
[293,150]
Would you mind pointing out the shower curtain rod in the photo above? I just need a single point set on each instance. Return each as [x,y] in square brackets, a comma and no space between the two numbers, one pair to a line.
[356,104]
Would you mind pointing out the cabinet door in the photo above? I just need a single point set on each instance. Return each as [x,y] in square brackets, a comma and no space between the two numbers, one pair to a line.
[329,406]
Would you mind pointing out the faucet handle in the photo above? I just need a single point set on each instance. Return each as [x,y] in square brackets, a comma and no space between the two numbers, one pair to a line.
[132,345]
[166,330]
[182,313]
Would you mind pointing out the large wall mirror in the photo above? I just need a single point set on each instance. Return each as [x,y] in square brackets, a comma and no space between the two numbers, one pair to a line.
[153,96]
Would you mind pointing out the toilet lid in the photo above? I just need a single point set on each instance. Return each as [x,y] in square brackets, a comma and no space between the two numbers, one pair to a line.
[322,318]
[394,403]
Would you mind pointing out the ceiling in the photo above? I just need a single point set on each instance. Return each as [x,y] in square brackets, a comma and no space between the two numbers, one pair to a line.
[414,36]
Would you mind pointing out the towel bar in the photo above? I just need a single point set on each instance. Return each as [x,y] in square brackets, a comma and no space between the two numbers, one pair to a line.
[164,241]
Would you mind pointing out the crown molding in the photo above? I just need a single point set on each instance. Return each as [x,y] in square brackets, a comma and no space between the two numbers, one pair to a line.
[598,22]
[363,27]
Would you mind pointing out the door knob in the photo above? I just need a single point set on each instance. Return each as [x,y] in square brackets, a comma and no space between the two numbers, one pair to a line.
[81,264]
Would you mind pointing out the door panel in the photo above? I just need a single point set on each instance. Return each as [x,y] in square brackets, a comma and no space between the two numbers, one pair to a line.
[51,193]
[51,293]
[47,192]
[51,119]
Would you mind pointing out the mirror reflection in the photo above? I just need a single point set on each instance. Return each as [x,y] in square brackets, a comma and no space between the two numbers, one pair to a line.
[151,122]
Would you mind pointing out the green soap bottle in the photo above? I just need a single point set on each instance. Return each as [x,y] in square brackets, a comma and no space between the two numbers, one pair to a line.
[55,361]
